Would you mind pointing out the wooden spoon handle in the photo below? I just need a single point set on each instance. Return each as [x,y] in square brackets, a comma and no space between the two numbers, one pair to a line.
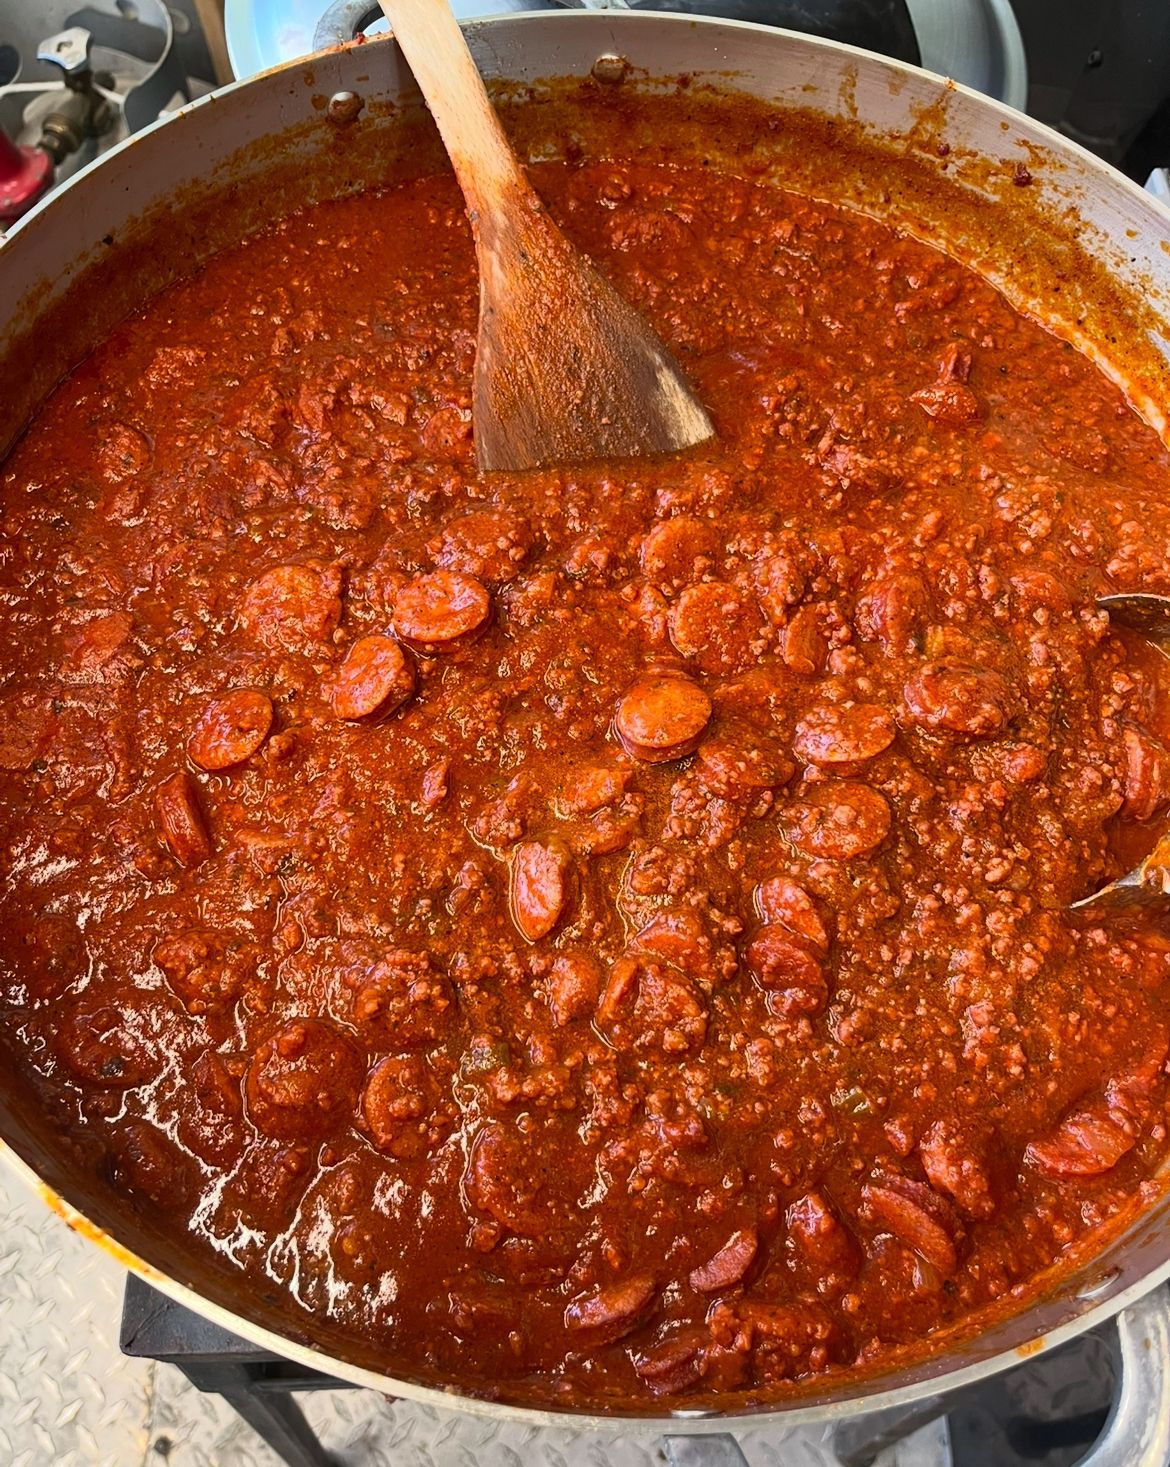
[430,39]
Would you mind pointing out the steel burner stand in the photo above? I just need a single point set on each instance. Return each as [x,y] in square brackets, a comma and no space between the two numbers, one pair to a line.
[255,1383]
[259,1385]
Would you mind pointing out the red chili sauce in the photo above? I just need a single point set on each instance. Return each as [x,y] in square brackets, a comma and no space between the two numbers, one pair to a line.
[601,934]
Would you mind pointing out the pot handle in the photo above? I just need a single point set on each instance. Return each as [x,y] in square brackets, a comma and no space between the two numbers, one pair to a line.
[343,21]
[718,1450]
[1137,1433]
[347,18]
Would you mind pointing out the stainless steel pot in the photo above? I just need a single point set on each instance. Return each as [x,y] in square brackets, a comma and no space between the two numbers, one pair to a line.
[1058,231]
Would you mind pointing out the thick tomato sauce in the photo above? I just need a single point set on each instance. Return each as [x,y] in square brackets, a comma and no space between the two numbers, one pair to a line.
[596,935]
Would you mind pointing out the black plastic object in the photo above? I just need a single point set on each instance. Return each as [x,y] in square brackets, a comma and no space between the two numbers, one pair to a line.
[877,25]
[1099,71]
[256,1383]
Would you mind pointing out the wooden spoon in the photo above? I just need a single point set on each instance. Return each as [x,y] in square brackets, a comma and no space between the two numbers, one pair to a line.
[565,369]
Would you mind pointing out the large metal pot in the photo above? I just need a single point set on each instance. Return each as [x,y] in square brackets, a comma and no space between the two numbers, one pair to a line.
[1057,230]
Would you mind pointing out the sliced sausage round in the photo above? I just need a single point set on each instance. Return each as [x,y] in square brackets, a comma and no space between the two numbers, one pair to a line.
[677,935]
[107,1046]
[675,1363]
[1093,1138]
[398,1107]
[293,608]
[230,729]
[303,1081]
[737,765]
[434,611]
[815,1232]
[805,646]
[1147,775]
[718,626]
[729,1265]
[1087,1143]
[788,970]
[377,676]
[891,609]
[782,900]
[678,551]
[662,717]
[833,734]
[954,1156]
[491,544]
[918,1217]
[540,876]
[180,822]
[613,1310]
[838,819]
[574,986]
[957,697]
[515,1183]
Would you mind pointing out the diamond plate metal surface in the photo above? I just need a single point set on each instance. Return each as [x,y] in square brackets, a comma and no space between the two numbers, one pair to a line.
[69,1398]
[361,1428]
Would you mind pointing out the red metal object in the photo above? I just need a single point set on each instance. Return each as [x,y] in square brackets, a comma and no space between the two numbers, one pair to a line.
[25,174]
